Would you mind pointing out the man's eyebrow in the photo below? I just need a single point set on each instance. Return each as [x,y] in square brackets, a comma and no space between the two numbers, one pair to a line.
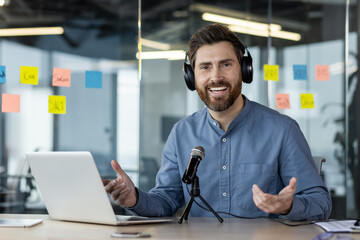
[221,61]
[204,63]
[227,60]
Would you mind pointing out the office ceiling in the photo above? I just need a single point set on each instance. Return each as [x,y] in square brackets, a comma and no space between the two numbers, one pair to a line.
[107,16]
[173,21]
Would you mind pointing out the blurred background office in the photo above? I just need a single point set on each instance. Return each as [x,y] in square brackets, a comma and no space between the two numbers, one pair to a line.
[139,47]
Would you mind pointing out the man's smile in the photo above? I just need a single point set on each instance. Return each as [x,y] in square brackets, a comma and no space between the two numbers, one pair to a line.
[218,91]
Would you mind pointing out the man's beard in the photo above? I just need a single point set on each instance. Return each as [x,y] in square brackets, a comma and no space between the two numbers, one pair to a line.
[222,103]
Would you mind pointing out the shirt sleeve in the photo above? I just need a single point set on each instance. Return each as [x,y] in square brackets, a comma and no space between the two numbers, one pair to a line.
[167,196]
[312,200]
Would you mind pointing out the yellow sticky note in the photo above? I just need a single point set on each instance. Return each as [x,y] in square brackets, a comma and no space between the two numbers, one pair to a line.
[322,73]
[307,100]
[57,104]
[29,75]
[271,72]
[282,101]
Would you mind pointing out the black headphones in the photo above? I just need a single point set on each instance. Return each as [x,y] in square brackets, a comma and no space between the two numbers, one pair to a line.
[246,70]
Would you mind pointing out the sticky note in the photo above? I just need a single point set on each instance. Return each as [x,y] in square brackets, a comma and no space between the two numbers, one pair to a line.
[307,100]
[300,72]
[29,75]
[282,100]
[93,79]
[57,104]
[271,72]
[10,103]
[2,74]
[322,73]
[61,77]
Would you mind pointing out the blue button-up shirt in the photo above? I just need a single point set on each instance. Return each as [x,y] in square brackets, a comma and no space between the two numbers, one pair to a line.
[260,146]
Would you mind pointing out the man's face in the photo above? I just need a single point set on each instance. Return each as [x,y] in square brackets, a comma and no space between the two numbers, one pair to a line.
[217,75]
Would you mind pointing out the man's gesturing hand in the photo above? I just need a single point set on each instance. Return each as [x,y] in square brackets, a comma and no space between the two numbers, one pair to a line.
[280,204]
[121,189]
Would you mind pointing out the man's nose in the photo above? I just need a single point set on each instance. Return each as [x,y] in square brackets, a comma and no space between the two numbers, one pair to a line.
[216,74]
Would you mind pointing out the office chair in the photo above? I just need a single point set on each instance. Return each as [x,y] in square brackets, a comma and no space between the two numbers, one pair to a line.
[318,162]
[12,198]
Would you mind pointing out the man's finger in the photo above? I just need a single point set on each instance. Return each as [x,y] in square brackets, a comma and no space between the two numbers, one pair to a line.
[256,198]
[263,198]
[258,192]
[292,184]
[260,200]
[109,186]
[257,189]
[105,182]
[115,165]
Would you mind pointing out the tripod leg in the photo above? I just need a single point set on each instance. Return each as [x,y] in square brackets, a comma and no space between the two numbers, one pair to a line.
[186,211]
[210,208]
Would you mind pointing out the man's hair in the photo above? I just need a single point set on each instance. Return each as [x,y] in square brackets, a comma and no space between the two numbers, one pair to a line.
[211,34]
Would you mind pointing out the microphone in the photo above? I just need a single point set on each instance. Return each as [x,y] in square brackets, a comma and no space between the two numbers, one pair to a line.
[197,154]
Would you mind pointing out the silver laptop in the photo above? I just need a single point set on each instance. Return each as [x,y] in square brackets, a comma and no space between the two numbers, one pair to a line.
[72,190]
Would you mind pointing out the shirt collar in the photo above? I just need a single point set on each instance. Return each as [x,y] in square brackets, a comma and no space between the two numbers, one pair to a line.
[239,118]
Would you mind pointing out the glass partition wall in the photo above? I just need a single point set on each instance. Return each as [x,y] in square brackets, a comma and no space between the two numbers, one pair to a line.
[91,65]
[300,46]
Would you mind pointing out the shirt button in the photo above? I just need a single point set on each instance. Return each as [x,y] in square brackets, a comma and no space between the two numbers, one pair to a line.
[224,167]
[214,123]
[224,139]
[224,194]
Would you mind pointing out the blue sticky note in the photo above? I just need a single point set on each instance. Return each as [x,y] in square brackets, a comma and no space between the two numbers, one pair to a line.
[300,72]
[93,79]
[2,74]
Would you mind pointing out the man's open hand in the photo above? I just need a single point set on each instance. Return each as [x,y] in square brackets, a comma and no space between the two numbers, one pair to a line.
[279,204]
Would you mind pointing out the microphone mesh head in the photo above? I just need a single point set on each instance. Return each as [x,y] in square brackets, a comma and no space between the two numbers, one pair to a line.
[198,151]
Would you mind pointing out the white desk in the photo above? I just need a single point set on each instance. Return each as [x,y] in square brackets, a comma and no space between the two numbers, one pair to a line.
[195,228]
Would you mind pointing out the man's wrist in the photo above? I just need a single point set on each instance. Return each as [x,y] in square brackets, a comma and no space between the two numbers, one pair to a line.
[136,198]
[287,211]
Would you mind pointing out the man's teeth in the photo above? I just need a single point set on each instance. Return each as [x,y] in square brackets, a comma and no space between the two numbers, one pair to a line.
[217,88]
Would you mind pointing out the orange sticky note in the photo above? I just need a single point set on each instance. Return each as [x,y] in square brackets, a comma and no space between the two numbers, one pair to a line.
[282,100]
[307,100]
[322,73]
[29,75]
[57,104]
[61,77]
[10,103]
[271,72]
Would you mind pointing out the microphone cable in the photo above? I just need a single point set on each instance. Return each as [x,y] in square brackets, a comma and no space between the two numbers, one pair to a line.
[221,212]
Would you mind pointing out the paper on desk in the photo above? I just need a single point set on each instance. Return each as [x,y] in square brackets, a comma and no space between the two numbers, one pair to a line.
[339,226]
[19,222]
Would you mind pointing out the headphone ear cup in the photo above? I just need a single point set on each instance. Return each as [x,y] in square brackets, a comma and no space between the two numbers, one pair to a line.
[189,76]
[247,69]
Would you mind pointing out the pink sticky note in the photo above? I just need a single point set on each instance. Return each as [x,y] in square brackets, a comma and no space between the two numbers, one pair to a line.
[322,73]
[10,103]
[282,101]
[61,77]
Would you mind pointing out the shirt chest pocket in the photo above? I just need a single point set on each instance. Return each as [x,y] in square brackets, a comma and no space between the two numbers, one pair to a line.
[261,174]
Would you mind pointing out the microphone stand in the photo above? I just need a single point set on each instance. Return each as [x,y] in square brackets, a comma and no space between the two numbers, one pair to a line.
[195,192]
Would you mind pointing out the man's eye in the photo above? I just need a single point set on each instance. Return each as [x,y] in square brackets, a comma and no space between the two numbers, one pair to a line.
[203,67]
[227,64]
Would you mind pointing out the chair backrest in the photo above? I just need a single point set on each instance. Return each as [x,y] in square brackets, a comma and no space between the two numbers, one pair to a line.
[318,162]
